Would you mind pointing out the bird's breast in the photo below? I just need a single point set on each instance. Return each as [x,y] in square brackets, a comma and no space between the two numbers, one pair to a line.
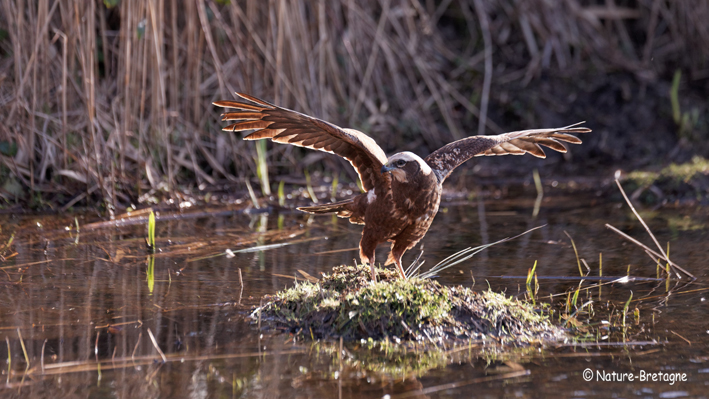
[417,202]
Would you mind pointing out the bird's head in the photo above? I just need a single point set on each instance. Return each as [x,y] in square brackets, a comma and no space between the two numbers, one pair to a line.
[405,166]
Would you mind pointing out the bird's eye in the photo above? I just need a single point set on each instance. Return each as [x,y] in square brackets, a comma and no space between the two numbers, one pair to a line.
[400,163]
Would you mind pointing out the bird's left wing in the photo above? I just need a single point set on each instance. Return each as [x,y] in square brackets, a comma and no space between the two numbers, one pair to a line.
[290,127]
[445,159]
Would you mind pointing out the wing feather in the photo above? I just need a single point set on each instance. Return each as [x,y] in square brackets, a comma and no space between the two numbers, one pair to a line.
[248,125]
[445,159]
[290,127]
[229,116]
[238,105]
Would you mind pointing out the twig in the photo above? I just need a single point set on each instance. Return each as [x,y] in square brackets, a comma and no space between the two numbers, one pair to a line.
[24,350]
[573,244]
[155,344]
[662,251]
[468,253]
[650,251]
[135,348]
[42,358]
[685,339]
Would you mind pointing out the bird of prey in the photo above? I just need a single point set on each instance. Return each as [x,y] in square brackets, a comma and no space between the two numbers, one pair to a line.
[402,192]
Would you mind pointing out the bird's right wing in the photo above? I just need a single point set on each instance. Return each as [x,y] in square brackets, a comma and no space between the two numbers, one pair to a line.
[445,159]
[290,127]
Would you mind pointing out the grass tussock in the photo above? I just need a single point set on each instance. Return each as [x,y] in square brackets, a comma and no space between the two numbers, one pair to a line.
[109,102]
[345,304]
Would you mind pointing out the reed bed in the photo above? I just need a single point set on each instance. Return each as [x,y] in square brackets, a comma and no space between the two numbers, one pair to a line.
[103,102]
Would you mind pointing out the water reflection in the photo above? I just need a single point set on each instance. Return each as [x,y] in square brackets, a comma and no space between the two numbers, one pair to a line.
[83,298]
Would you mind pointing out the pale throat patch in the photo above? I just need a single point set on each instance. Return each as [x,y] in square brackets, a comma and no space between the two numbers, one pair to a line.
[371,196]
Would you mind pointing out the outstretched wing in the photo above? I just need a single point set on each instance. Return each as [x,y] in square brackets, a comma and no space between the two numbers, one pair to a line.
[290,127]
[450,156]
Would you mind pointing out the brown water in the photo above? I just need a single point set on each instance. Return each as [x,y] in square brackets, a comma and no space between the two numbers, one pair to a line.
[81,299]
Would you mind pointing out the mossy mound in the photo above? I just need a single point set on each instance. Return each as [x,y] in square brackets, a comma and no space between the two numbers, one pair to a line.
[347,304]
[676,182]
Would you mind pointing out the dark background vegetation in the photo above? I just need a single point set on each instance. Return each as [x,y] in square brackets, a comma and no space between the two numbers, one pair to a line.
[104,101]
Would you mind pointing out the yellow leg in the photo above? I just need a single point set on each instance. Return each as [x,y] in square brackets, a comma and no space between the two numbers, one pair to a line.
[400,269]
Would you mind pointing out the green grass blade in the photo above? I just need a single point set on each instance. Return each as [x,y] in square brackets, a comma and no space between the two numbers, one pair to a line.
[151,232]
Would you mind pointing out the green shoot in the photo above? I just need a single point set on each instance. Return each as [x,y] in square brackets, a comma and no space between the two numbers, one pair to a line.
[578,261]
[281,193]
[636,315]
[625,308]
[530,274]
[98,368]
[575,298]
[310,187]
[151,232]
[685,121]
[600,272]
[674,97]
[151,274]
[262,167]
[536,284]
[667,270]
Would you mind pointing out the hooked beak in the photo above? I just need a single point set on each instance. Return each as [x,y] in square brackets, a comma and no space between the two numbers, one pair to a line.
[387,168]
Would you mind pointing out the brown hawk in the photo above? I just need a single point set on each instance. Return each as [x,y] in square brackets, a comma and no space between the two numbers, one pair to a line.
[402,192]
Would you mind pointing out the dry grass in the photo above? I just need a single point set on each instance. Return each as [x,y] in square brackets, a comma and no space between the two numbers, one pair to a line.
[101,105]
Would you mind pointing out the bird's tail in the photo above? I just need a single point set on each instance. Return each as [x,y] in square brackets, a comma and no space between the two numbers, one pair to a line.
[335,207]
[343,209]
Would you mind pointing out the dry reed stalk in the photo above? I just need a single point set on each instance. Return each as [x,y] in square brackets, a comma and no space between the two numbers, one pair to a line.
[119,98]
